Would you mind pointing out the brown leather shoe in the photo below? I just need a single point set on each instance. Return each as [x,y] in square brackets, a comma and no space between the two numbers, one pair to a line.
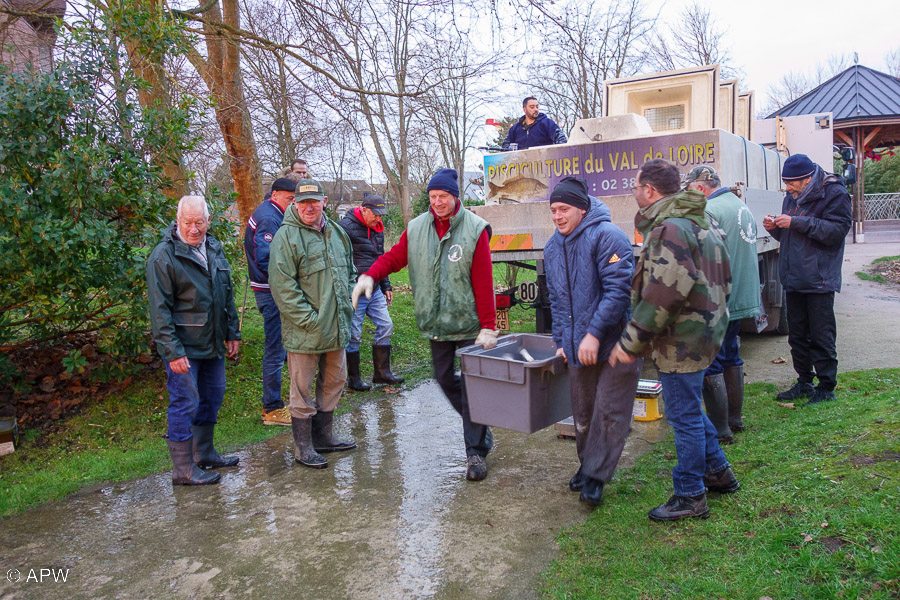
[723,482]
[279,416]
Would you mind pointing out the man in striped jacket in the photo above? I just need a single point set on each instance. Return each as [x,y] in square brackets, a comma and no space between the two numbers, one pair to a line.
[260,232]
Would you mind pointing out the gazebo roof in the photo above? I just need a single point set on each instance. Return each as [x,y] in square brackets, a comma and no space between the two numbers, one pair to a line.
[859,94]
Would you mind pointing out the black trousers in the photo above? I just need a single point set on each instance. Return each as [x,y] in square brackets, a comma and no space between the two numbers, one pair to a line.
[812,332]
[602,403]
[443,356]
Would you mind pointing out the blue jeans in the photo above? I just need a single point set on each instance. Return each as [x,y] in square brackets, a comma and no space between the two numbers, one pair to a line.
[273,354]
[377,309]
[195,396]
[730,352]
[696,442]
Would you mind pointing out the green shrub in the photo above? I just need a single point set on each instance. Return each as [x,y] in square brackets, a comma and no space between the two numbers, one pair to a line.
[79,207]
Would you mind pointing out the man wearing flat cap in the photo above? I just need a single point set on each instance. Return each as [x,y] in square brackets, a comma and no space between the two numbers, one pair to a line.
[448,252]
[814,221]
[723,381]
[258,236]
[311,274]
[366,230]
[588,262]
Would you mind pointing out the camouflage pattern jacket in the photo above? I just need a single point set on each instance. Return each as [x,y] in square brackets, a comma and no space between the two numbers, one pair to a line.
[680,287]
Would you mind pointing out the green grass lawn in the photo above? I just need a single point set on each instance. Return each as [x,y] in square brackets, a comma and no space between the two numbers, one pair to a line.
[818,514]
[120,436]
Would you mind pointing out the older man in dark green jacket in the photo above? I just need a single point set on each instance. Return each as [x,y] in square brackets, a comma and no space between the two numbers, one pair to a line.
[194,323]
[311,274]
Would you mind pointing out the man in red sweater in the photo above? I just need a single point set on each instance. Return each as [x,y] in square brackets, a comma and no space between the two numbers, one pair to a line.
[447,250]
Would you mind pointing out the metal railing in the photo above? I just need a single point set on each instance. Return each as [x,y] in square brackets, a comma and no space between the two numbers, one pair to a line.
[882,206]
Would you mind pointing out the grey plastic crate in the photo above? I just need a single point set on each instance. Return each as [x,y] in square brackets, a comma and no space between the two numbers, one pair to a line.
[505,390]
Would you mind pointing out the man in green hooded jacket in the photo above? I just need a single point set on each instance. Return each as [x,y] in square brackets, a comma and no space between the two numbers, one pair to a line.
[679,315]
[311,274]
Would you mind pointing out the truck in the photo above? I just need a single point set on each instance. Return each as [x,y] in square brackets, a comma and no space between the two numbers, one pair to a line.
[689,117]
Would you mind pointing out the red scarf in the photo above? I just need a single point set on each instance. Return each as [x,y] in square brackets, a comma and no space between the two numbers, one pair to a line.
[379,226]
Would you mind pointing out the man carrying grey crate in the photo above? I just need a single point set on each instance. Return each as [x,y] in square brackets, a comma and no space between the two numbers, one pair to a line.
[448,252]
[589,267]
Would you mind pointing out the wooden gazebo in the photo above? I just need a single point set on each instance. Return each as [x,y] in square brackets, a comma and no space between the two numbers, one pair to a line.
[866,107]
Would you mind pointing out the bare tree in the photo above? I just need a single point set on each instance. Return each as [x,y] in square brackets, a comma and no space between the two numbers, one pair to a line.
[793,85]
[288,120]
[582,47]
[892,59]
[374,59]
[221,71]
[694,39]
[451,112]
[367,47]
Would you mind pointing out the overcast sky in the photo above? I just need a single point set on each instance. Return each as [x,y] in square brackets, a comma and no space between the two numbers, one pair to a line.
[769,38]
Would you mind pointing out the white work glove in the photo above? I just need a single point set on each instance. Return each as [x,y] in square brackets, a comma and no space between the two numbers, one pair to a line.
[487,338]
[364,285]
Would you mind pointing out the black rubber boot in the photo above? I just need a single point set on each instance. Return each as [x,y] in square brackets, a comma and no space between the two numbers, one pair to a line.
[723,482]
[184,471]
[734,386]
[716,400]
[593,492]
[354,381]
[303,448]
[681,507]
[205,455]
[381,357]
[576,484]
[323,438]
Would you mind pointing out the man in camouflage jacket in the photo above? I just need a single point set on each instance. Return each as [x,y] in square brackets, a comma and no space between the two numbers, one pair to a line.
[679,316]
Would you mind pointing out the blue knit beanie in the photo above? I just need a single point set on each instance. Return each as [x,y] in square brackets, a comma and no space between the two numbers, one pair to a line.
[446,180]
[797,167]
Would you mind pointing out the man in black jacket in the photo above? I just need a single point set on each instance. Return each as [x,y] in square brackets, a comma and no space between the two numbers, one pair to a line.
[534,128]
[814,222]
[366,232]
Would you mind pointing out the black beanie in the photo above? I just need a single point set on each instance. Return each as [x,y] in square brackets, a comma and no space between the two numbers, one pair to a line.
[573,192]
[446,180]
[283,184]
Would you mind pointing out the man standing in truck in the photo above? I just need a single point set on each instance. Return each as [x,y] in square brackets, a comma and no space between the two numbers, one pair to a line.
[534,128]
[723,382]
[815,220]
[448,251]
[679,314]
[588,262]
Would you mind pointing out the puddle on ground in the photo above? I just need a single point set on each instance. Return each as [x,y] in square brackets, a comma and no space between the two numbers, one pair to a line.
[393,519]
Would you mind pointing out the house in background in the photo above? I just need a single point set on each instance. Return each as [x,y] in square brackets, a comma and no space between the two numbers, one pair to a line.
[472,187]
[346,194]
[28,41]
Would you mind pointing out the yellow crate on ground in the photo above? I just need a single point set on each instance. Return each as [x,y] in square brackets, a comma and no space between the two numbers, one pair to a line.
[646,402]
